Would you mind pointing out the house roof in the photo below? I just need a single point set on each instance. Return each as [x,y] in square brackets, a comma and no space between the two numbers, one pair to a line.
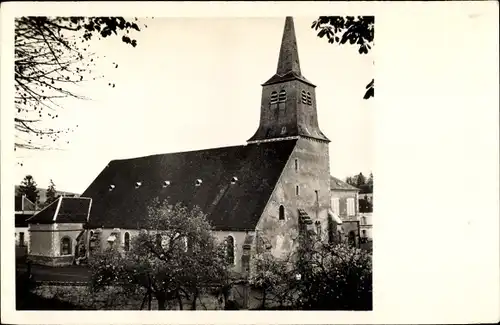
[22,203]
[229,205]
[338,185]
[64,210]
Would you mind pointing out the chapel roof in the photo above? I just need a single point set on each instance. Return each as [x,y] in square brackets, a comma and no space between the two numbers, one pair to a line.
[64,210]
[232,185]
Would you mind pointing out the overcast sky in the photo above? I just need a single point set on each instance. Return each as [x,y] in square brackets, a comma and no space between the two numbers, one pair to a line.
[194,83]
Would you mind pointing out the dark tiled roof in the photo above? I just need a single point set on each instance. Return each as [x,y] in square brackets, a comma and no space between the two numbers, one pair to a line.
[337,184]
[238,206]
[71,210]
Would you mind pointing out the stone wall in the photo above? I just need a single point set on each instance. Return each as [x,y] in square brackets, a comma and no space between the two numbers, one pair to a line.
[41,240]
[312,178]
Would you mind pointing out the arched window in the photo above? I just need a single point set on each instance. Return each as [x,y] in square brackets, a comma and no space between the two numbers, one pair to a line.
[282,212]
[274,97]
[66,246]
[126,242]
[230,249]
[309,99]
[303,97]
[363,220]
[282,96]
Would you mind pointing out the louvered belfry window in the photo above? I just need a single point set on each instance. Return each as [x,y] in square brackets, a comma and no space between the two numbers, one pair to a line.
[309,99]
[304,97]
[282,96]
[274,97]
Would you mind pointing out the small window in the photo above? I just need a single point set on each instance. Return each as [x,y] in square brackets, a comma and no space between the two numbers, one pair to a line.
[309,99]
[363,220]
[66,246]
[274,97]
[21,239]
[317,196]
[304,97]
[363,232]
[282,212]
[138,184]
[350,207]
[336,205]
[126,241]
[282,96]
[198,182]
[297,192]
[283,130]
[296,164]
[230,249]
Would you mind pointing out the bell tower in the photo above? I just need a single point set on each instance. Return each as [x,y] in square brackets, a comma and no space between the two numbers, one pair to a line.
[288,107]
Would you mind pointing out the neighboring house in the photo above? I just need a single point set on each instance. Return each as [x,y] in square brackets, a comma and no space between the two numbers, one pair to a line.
[344,202]
[24,209]
[55,231]
[260,195]
[365,224]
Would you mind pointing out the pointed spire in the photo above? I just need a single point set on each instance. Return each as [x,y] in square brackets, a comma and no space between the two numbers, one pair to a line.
[289,54]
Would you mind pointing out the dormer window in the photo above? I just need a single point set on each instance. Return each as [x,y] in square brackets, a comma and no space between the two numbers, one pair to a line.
[198,182]
[282,96]
[138,184]
[111,187]
[274,97]
[309,99]
[166,183]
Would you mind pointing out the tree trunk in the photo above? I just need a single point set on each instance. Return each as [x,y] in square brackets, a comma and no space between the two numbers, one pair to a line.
[160,297]
[264,294]
[193,304]
[179,300]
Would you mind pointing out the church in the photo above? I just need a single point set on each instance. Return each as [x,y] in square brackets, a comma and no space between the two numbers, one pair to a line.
[258,194]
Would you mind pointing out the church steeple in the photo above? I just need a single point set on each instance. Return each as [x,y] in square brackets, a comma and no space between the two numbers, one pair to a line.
[288,106]
[289,55]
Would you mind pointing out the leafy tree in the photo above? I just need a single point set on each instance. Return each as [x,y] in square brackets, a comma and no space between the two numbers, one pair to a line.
[360,180]
[52,56]
[357,31]
[316,276]
[335,277]
[29,188]
[174,258]
[51,193]
[272,278]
